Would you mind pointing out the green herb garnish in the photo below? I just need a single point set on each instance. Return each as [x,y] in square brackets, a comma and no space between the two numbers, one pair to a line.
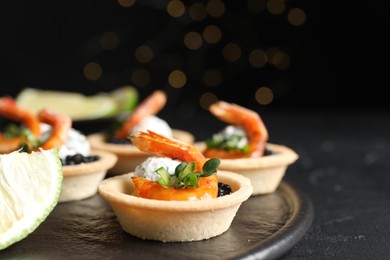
[29,142]
[217,141]
[184,176]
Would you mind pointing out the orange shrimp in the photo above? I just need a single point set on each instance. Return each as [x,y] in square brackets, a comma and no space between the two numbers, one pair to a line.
[249,120]
[159,145]
[60,123]
[10,109]
[150,106]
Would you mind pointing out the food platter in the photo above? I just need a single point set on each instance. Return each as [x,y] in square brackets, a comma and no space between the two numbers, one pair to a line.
[265,227]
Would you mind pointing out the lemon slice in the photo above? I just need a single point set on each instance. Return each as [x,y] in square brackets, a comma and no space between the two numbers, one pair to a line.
[30,185]
[76,105]
[126,98]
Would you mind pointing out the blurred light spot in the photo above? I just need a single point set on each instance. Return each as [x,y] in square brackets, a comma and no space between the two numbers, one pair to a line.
[108,40]
[92,71]
[212,77]
[256,6]
[270,53]
[264,95]
[207,99]
[176,8]
[257,58]
[232,52]
[276,6]
[144,54]
[197,12]
[296,16]
[193,40]
[177,79]
[215,8]
[212,34]
[281,60]
[126,3]
[140,77]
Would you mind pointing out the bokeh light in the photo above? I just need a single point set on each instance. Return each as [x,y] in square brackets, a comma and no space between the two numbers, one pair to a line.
[215,8]
[197,12]
[176,8]
[193,40]
[264,95]
[92,71]
[126,3]
[296,16]
[207,99]
[108,40]
[212,34]
[231,52]
[144,54]
[258,58]
[177,79]
[276,6]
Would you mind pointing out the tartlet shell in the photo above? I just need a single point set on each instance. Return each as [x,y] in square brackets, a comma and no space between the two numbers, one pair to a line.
[81,181]
[174,221]
[129,156]
[265,172]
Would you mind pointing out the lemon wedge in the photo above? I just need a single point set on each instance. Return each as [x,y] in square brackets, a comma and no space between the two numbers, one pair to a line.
[30,185]
[79,106]
[76,105]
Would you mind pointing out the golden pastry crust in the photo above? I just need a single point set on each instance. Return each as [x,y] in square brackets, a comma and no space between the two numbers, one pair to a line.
[175,221]
[81,180]
[128,155]
[265,172]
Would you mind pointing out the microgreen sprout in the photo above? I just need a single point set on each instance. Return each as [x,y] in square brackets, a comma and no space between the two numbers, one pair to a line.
[184,176]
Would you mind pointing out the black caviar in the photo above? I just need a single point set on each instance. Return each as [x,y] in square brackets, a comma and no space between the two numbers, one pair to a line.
[115,140]
[79,158]
[268,152]
[224,189]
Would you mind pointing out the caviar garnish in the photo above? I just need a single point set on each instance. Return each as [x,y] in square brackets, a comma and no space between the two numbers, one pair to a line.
[224,189]
[78,159]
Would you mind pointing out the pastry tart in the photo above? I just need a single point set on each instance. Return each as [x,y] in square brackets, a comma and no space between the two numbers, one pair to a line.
[81,180]
[265,172]
[174,221]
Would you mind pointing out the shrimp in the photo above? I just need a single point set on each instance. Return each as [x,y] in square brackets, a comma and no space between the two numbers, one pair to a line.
[150,106]
[249,120]
[10,109]
[159,145]
[60,124]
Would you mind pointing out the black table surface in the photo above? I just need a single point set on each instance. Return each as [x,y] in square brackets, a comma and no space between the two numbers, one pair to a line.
[343,168]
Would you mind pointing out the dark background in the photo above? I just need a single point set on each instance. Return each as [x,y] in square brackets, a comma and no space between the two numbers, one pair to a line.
[338,58]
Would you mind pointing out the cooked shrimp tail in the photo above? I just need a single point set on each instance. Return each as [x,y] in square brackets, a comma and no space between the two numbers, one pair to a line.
[60,124]
[154,143]
[150,106]
[249,120]
[10,110]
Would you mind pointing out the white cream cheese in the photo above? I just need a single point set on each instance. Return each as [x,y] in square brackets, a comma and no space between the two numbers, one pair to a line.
[154,124]
[230,130]
[76,142]
[150,165]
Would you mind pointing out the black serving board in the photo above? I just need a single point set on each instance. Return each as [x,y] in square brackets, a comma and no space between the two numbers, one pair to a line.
[265,227]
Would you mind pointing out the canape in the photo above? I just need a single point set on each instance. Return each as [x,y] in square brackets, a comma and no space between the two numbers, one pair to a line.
[180,205]
[83,169]
[142,118]
[243,148]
